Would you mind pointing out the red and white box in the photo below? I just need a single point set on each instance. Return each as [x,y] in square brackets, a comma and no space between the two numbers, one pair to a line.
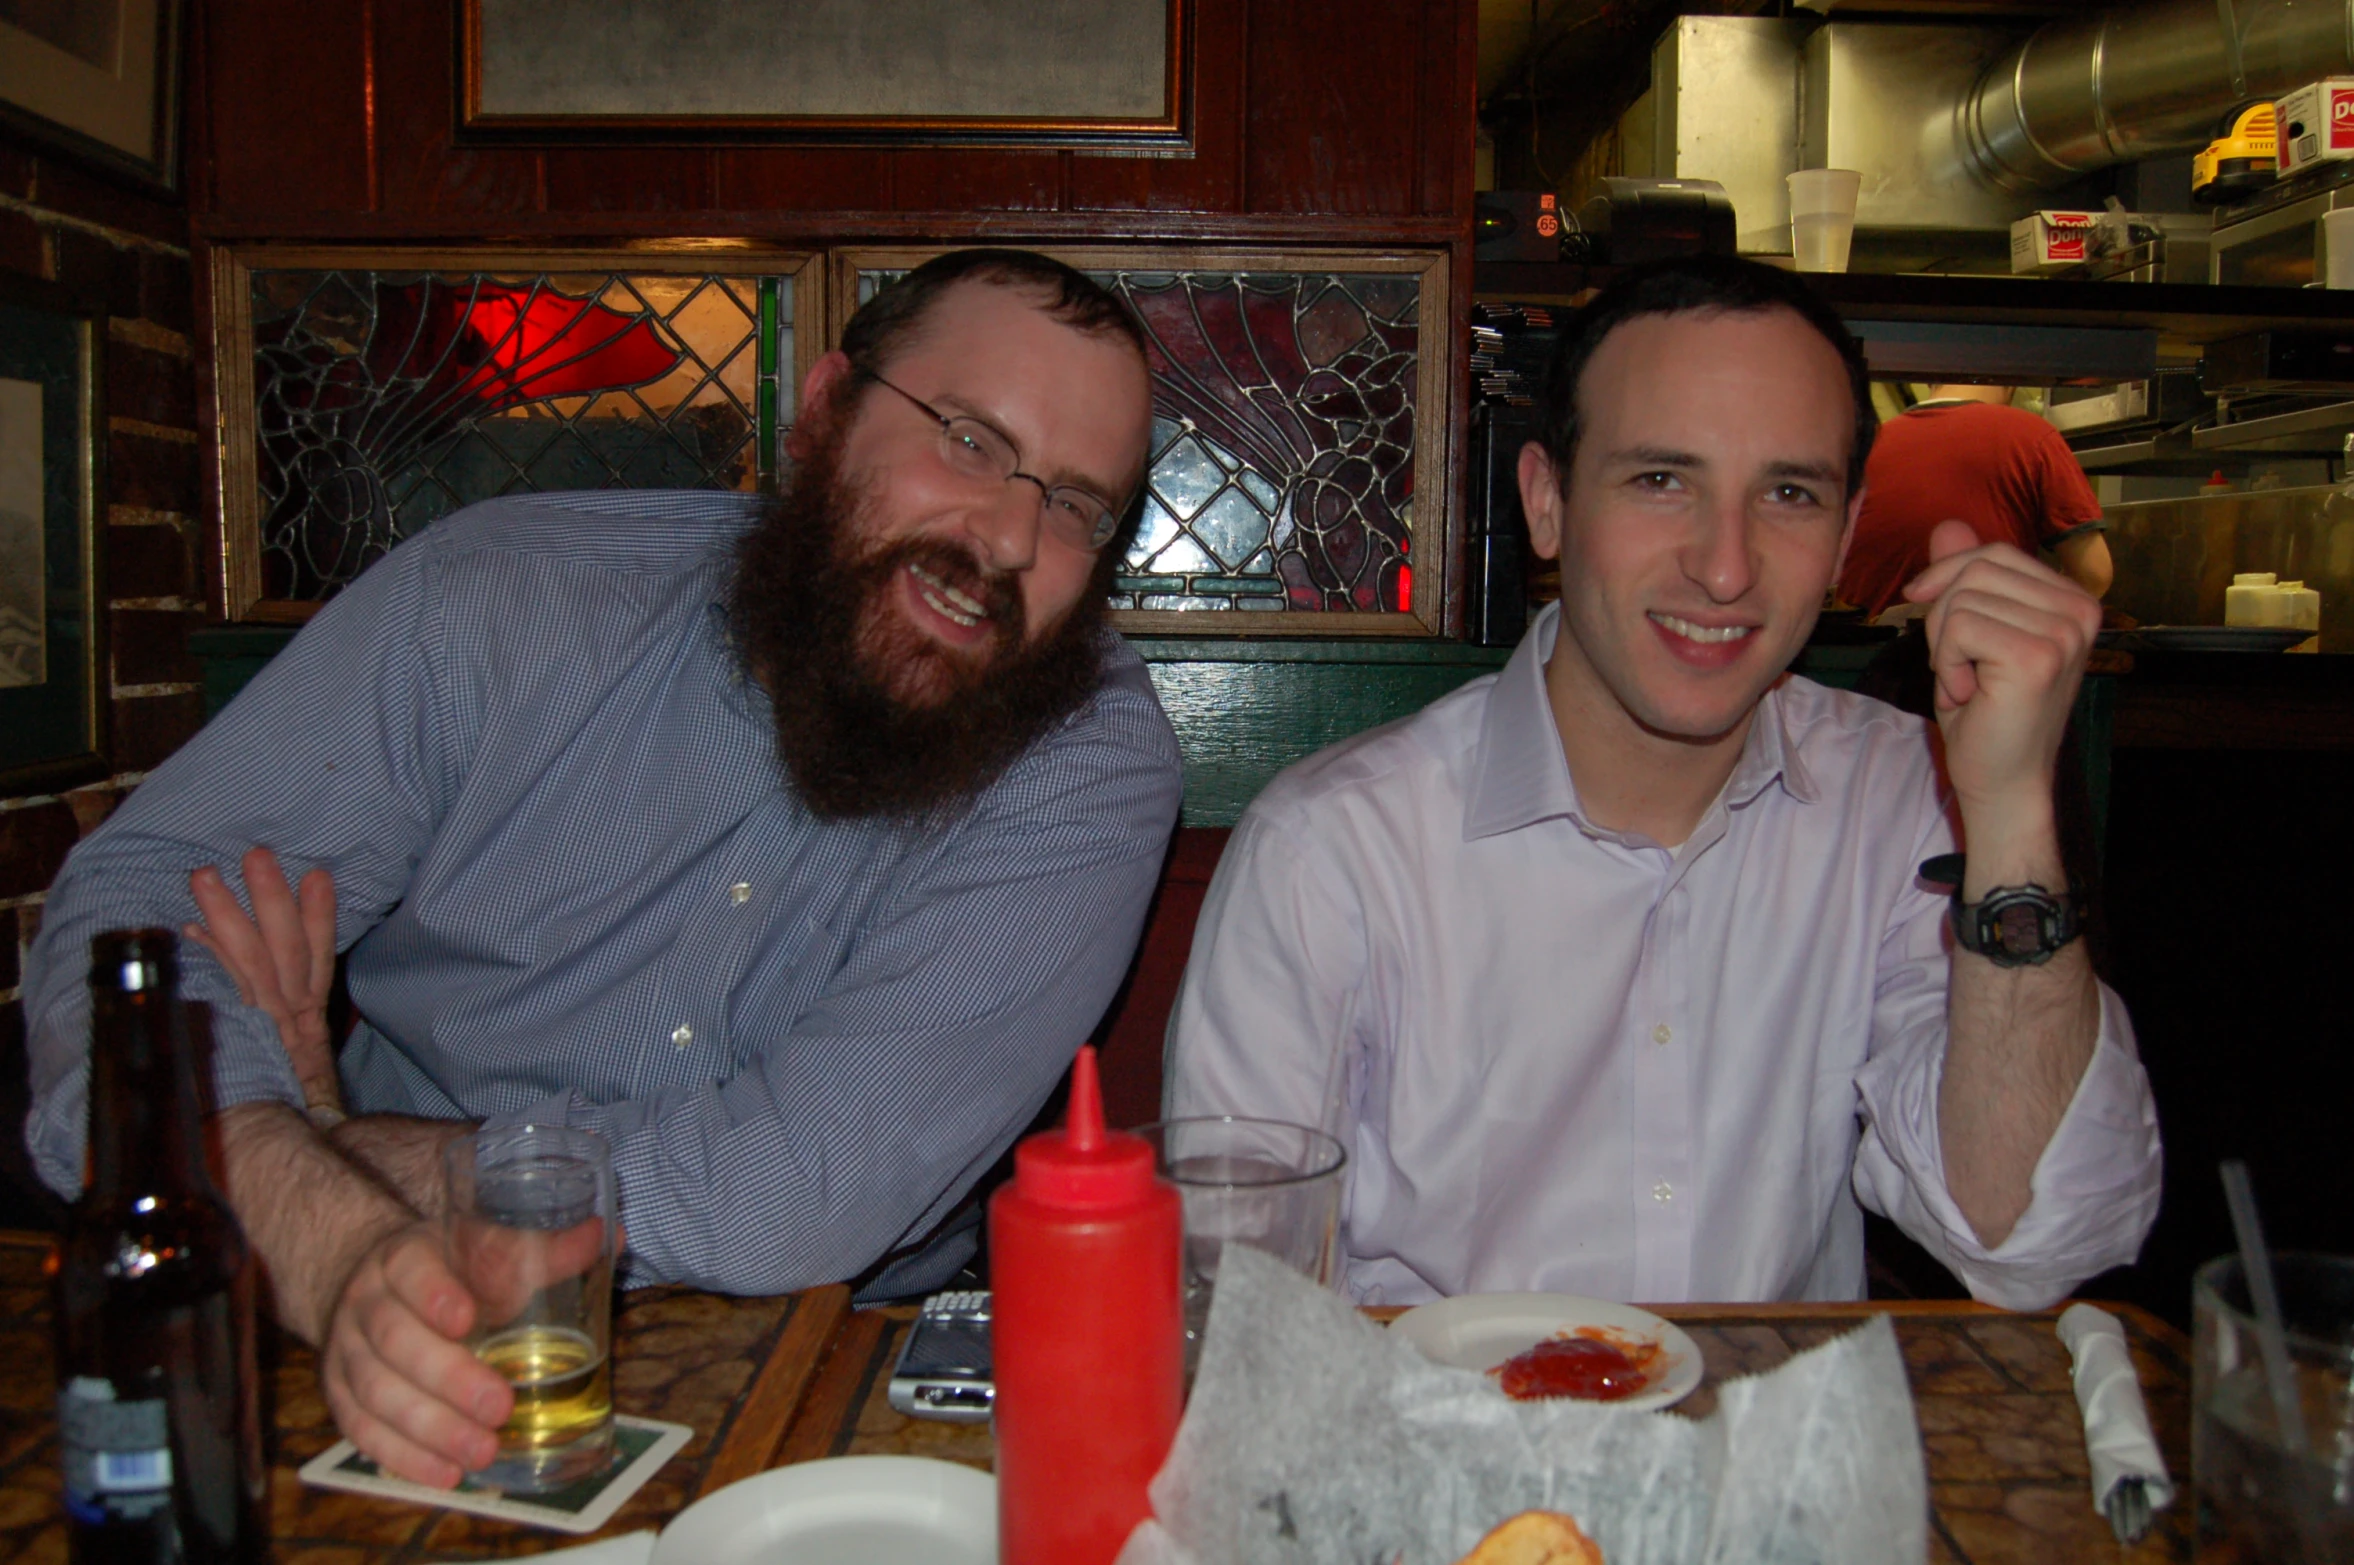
[2316,124]
[2048,241]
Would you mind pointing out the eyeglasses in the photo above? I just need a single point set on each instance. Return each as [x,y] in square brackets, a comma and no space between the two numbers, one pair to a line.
[974,450]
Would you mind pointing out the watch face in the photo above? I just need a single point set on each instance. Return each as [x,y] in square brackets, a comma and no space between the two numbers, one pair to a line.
[2018,929]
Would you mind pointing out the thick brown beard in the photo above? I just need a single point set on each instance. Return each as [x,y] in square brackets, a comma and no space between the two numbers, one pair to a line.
[873,718]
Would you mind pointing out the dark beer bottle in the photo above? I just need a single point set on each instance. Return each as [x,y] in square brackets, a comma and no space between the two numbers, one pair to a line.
[158,1420]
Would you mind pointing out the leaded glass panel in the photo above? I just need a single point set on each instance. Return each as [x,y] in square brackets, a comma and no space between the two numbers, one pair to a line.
[385,399]
[1282,471]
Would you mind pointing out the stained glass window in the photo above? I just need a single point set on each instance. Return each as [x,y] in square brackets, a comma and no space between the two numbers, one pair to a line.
[385,399]
[1284,439]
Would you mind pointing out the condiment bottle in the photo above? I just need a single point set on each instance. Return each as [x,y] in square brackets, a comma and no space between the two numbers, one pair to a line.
[158,1419]
[1088,1336]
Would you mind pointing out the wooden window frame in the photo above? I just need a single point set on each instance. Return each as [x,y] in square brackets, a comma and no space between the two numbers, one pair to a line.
[1435,518]
[236,467]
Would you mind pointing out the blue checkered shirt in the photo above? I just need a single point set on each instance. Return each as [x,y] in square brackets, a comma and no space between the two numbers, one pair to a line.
[574,888]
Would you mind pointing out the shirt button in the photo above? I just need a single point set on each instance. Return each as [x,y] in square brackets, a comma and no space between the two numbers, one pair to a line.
[1663,1192]
[740,893]
[1661,1033]
[682,1035]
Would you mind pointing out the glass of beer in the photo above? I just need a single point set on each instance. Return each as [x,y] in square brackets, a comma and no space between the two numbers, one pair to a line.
[531,1234]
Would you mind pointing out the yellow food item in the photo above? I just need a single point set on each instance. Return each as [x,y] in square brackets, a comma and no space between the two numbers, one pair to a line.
[1535,1538]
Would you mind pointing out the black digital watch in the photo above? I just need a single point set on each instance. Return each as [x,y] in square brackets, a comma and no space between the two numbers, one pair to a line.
[2011,926]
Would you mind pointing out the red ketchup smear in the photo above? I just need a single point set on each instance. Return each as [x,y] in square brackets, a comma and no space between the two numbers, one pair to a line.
[1598,1365]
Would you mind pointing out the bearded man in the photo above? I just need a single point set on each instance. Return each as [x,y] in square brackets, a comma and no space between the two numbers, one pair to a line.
[793,847]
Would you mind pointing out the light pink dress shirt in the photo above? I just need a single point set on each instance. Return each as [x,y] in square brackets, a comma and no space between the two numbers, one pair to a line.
[1569,1059]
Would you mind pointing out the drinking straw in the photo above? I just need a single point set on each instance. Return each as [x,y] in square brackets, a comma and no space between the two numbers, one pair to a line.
[2271,1335]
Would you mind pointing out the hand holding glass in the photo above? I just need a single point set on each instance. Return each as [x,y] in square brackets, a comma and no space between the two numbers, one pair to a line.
[531,1234]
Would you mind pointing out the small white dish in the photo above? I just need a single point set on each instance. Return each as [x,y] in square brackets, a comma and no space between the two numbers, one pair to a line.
[1481,1330]
[849,1510]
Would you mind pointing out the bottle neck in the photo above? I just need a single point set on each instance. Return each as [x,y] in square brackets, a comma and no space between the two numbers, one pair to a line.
[144,1138]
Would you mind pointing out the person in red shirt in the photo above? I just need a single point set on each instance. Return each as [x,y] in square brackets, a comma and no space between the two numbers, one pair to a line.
[1963,452]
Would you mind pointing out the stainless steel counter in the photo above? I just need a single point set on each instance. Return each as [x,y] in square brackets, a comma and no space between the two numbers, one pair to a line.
[2175,557]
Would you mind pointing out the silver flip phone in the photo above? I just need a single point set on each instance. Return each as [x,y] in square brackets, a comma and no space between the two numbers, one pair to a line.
[944,1368]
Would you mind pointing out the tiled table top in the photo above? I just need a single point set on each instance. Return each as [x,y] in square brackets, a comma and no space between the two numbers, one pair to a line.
[763,1382]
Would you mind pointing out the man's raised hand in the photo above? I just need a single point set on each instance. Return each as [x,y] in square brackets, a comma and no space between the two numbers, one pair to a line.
[2008,637]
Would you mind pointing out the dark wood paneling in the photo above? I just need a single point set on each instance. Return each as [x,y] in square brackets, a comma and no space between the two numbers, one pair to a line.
[628,179]
[1312,120]
[419,172]
[789,179]
[1450,103]
[289,116]
[1211,179]
[931,179]
[1333,125]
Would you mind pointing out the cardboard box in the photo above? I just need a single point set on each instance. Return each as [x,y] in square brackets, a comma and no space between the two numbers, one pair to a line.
[2316,124]
[2048,241]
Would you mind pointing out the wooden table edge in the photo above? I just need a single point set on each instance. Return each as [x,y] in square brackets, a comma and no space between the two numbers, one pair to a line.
[768,1407]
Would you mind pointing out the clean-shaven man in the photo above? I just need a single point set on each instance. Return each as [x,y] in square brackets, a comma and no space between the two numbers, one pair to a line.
[1618,973]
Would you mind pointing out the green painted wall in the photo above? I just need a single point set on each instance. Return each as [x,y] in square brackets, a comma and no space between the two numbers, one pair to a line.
[1245,710]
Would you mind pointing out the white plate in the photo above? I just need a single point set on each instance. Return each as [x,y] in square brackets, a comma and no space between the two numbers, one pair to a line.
[1481,1330]
[851,1510]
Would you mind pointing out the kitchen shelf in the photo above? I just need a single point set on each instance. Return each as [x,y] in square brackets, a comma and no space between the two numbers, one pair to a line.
[2329,418]
[2184,315]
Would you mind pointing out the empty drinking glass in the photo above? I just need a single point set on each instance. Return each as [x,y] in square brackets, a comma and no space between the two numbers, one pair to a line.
[2267,1491]
[1822,217]
[1262,1182]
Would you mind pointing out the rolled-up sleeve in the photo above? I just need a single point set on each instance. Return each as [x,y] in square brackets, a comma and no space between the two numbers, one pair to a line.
[2094,1193]
[865,1119]
[328,758]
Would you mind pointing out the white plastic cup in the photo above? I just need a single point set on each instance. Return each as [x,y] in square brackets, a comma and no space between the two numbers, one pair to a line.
[2337,239]
[1822,217]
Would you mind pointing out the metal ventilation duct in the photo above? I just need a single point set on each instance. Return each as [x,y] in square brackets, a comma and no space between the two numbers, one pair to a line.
[2138,82]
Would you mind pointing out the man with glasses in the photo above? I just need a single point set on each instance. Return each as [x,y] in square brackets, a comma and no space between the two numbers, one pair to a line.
[794,846]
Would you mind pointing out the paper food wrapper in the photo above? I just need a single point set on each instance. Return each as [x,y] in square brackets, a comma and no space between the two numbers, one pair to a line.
[1315,1438]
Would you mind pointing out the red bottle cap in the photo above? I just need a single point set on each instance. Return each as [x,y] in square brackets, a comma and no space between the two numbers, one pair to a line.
[1083,1165]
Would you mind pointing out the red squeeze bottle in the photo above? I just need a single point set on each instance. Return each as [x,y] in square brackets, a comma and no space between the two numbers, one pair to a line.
[1087,1335]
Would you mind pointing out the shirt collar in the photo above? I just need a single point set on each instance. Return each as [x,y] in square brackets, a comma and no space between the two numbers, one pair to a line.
[1519,775]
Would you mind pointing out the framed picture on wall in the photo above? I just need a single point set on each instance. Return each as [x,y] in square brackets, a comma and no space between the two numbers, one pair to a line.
[1041,73]
[366,392]
[99,79]
[52,654]
[1296,482]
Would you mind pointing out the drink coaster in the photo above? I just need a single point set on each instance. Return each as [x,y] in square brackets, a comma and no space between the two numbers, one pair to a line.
[640,1447]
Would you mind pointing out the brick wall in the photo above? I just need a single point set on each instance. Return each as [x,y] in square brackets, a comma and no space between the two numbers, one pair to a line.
[127,252]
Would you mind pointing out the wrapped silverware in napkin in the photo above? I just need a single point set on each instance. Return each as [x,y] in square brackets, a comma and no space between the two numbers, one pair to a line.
[2129,1482]
[1314,1437]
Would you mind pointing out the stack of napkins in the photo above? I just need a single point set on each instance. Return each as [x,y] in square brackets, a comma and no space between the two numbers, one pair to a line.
[1314,1438]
